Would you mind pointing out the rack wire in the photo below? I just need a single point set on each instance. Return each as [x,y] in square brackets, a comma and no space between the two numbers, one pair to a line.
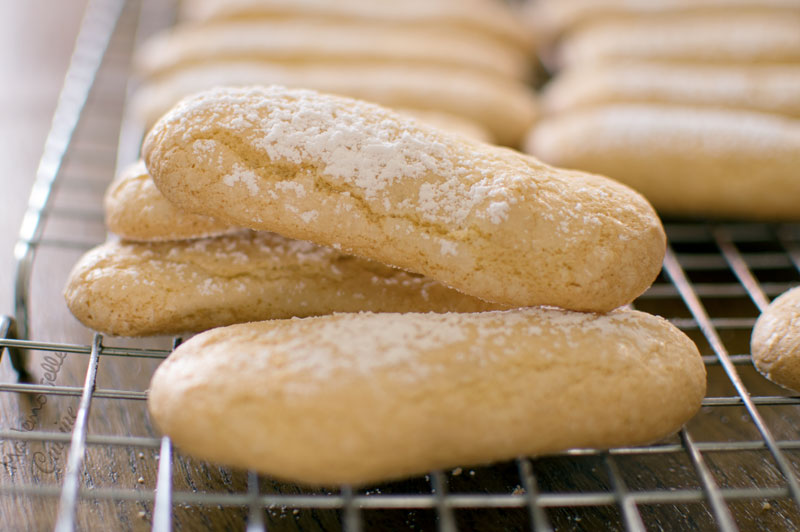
[734,467]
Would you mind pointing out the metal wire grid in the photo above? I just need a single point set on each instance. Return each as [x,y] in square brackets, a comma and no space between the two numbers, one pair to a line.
[741,250]
[352,503]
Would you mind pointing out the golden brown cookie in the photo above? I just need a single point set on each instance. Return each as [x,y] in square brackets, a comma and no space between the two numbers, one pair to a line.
[145,289]
[136,210]
[686,161]
[343,173]
[721,38]
[365,398]
[480,17]
[507,109]
[556,17]
[297,42]
[770,89]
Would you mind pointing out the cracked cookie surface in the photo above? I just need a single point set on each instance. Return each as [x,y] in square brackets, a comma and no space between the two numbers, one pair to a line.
[487,221]
[142,289]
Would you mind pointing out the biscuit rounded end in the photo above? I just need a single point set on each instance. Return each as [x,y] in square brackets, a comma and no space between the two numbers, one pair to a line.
[775,343]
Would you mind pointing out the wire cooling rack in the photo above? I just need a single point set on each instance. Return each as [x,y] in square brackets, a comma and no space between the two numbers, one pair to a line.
[734,467]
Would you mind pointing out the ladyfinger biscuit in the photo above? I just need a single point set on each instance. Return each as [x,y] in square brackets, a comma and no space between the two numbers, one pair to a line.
[770,89]
[775,343]
[298,41]
[556,17]
[136,210]
[505,108]
[144,289]
[477,16]
[686,161]
[365,398]
[488,221]
[722,38]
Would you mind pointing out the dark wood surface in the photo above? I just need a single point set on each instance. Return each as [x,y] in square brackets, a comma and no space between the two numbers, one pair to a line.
[86,173]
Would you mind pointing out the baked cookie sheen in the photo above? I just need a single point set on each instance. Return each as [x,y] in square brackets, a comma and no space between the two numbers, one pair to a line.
[489,18]
[725,37]
[145,289]
[507,109]
[769,89]
[688,161]
[297,41]
[487,221]
[364,398]
[136,210]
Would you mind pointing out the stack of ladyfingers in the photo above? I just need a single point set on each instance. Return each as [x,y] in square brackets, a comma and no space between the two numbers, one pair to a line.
[379,212]
[418,299]
[460,64]
[696,104]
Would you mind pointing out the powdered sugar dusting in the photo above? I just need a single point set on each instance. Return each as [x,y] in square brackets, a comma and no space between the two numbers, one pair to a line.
[498,211]
[297,188]
[309,216]
[448,247]
[209,287]
[242,175]
[203,146]
[203,150]
[312,349]
[370,150]
[398,342]
[348,144]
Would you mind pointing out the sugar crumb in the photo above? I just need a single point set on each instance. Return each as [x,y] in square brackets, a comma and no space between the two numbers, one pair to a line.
[242,175]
